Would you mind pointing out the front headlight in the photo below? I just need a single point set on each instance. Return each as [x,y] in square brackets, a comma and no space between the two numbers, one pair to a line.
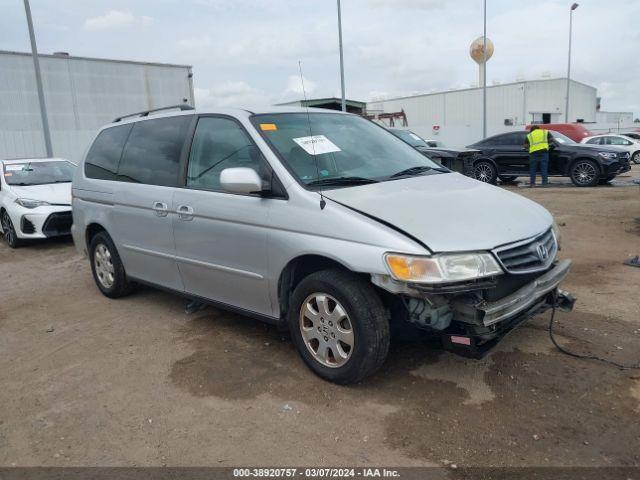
[608,155]
[443,268]
[29,203]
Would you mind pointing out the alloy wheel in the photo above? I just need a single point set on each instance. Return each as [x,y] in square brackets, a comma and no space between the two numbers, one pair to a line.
[585,173]
[104,266]
[636,158]
[483,172]
[7,228]
[326,330]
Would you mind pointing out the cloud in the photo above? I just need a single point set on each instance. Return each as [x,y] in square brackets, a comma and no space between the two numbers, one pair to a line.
[294,85]
[110,20]
[415,4]
[230,94]
[146,21]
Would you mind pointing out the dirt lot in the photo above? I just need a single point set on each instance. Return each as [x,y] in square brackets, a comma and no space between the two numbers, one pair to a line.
[90,381]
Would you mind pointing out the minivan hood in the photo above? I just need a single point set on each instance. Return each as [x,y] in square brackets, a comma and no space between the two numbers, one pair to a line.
[448,212]
[54,193]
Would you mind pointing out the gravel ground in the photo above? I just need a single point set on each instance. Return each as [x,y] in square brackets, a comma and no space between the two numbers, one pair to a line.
[92,381]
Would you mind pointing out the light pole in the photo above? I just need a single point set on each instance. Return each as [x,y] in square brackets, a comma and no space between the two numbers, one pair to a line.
[36,66]
[484,73]
[566,110]
[344,100]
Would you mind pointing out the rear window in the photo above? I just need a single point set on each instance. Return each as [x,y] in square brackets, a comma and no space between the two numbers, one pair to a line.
[152,153]
[103,157]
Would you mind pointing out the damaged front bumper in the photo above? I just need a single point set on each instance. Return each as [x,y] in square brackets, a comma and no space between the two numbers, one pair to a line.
[525,297]
[470,325]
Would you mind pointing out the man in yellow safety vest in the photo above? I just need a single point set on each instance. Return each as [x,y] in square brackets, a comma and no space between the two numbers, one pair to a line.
[537,142]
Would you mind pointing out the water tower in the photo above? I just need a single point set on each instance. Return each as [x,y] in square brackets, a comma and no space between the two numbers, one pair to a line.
[476,50]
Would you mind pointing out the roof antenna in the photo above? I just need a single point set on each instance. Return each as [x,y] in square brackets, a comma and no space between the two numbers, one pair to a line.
[313,145]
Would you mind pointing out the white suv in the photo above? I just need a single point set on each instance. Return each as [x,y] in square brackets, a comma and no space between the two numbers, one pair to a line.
[35,199]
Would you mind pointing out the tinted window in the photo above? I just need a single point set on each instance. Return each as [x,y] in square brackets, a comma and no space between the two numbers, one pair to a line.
[152,153]
[220,143]
[514,139]
[104,155]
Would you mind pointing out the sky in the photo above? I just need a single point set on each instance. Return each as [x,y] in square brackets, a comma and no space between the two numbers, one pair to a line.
[246,52]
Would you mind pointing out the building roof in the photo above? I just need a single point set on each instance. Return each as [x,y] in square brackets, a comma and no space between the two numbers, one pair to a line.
[72,57]
[538,80]
[313,102]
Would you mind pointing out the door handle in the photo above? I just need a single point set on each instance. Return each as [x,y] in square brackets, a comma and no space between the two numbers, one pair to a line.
[161,209]
[185,212]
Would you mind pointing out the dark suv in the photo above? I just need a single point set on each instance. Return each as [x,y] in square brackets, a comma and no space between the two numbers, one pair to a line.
[504,156]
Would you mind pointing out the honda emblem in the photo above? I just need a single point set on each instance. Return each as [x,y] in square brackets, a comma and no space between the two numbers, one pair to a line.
[542,251]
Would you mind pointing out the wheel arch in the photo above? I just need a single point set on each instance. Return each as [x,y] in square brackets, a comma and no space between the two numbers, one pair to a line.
[92,230]
[583,157]
[297,269]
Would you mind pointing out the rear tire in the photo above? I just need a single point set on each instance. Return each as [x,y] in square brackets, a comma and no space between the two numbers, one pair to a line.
[635,158]
[585,173]
[9,232]
[107,268]
[339,326]
[485,171]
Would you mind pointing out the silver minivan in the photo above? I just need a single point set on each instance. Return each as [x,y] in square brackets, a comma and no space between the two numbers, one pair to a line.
[318,221]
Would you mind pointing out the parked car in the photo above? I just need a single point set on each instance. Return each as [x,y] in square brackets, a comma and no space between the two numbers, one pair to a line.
[624,141]
[575,131]
[35,199]
[504,156]
[633,135]
[456,159]
[336,234]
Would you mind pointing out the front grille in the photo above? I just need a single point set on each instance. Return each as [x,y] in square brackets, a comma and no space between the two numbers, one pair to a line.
[529,255]
[58,224]
[26,226]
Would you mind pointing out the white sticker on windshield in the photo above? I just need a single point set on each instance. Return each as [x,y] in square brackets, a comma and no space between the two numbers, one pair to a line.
[415,137]
[317,145]
[13,168]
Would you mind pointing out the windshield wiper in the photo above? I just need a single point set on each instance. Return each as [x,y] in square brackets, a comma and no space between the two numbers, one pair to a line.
[343,181]
[411,171]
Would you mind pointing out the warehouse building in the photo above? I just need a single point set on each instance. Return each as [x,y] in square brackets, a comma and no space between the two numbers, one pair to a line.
[455,117]
[81,95]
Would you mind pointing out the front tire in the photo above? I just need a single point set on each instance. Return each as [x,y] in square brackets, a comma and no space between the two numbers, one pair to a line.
[485,171]
[585,173]
[339,326]
[107,268]
[9,232]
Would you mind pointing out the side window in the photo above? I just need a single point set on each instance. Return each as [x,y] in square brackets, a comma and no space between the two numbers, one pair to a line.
[220,143]
[595,141]
[619,141]
[152,153]
[103,156]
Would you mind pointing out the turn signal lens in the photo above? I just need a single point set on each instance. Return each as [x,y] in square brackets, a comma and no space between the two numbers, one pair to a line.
[444,268]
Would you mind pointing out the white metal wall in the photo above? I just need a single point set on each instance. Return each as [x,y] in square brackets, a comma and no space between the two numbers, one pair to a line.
[81,95]
[459,112]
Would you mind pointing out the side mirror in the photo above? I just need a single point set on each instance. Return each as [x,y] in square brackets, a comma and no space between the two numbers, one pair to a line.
[240,180]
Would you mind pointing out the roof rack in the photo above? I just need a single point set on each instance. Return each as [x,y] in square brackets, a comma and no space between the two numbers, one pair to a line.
[147,112]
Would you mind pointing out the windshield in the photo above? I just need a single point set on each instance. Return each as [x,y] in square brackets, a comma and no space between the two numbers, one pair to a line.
[410,137]
[38,173]
[348,149]
[560,138]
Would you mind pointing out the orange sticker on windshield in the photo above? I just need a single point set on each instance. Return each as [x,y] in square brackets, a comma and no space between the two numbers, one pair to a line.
[268,127]
[8,174]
